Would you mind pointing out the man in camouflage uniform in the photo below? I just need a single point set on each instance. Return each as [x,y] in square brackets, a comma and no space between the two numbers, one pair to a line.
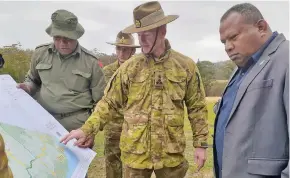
[66,75]
[5,171]
[125,48]
[151,89]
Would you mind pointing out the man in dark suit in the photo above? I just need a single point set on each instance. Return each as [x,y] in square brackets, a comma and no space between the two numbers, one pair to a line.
[251,138]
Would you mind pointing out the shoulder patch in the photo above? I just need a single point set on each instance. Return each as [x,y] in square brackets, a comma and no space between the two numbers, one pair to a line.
[89,52]
[43,45]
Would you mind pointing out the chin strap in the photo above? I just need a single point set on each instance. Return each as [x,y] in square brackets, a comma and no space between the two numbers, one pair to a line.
[149,53]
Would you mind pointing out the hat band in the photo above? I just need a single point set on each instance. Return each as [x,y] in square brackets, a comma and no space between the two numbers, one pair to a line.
[64,26]
[150,19]
[124,41]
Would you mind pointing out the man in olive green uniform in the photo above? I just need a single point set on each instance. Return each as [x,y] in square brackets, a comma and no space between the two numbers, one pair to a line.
[151,89]
[5,171]
[67,77]
[125,48]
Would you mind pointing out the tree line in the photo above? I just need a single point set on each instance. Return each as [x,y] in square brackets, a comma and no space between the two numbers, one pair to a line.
[214,75]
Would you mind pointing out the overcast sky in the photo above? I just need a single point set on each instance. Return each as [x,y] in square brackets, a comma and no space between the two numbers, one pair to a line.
[195,33]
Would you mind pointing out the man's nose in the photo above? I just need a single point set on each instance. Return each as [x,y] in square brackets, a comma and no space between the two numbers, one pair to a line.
[229,46]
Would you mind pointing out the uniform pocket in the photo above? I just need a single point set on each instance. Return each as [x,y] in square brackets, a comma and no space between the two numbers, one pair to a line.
[44,72]
[175,85]
[78,81]
[175,138]
[134,138]
[138,86]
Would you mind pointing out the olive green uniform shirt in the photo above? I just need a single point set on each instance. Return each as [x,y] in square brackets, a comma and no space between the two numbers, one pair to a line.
[65,84]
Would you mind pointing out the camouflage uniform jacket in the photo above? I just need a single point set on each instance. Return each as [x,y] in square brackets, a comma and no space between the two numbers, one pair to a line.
[152,93]
[5,171]
[109,71]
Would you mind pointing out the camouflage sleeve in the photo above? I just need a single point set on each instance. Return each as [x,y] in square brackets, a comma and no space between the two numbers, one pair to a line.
[197,109]
[98,82]
[111,103]
[32,77]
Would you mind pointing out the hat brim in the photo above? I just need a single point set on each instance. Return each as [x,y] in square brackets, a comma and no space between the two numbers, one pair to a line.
[76,34]
[123,45]
[166,20]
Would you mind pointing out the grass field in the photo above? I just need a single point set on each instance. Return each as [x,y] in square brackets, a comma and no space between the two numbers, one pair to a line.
[97,168]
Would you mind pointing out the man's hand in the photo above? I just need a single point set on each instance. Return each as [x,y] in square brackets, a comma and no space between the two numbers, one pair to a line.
[89,143]
[77,134]
[24,87]
[200,157]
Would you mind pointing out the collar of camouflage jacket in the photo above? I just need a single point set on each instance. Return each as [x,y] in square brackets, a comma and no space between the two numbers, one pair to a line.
[163,56]
[116,63]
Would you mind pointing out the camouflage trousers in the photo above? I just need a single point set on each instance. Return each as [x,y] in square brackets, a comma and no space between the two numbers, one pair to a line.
[167,172]
[112,150]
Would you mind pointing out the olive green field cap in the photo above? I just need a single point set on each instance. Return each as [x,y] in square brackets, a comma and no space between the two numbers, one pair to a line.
[65,24]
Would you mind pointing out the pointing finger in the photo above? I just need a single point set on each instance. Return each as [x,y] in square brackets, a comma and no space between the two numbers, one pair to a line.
[64,138]
[68,138]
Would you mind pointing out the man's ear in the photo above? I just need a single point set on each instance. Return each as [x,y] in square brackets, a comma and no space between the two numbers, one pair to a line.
[163,30]
[262,26]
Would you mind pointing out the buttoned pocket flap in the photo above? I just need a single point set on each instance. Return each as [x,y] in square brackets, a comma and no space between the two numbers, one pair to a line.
[83,74]
[176,77]
[174,120]
[42,66]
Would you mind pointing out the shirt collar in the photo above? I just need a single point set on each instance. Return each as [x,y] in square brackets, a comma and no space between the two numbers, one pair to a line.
[164,56]
[116,63]
[256,56]
[77,51]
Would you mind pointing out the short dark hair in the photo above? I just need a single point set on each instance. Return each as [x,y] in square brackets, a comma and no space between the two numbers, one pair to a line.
[248,10]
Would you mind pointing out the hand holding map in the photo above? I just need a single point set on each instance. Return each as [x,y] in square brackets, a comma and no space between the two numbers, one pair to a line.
[32,138]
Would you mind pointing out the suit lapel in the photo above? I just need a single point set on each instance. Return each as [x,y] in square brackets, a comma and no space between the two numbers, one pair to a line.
[257,68]
[247,81]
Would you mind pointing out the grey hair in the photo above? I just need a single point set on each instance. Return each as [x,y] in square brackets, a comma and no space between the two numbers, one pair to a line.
[250,12]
